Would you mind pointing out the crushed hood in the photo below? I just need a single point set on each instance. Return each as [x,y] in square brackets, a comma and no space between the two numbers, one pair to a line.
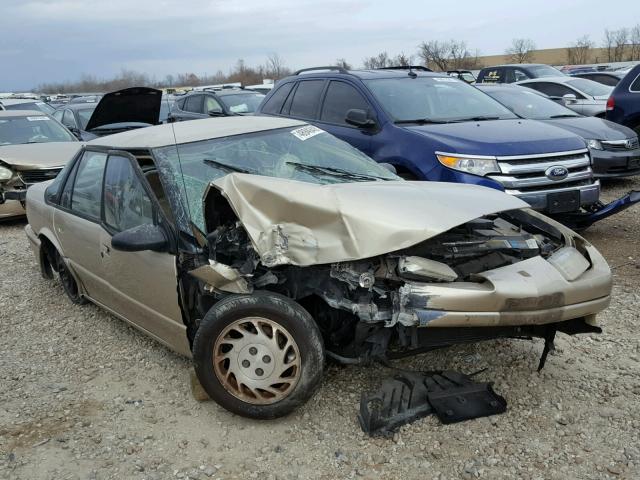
[299,223]
[130,105]
[39,155]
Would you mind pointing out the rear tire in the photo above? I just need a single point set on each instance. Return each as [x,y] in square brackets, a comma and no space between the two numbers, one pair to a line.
[260,356]
[68,281]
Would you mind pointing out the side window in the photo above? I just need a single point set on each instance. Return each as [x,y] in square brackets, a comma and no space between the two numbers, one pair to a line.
[87,186]
[68,120]
[635,85]
[193,104]
[552,89]
[340,98]
[211,104]
[306,99]
[58,115]
[493,76]
[180,103]
[274,104]
[126,202]
[605,80]
[519,75]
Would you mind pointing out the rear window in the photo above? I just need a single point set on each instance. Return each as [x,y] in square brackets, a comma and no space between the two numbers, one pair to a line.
[274,104]
[590,87]
[306,99]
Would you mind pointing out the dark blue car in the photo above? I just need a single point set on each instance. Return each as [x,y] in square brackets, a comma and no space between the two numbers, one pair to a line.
[431,126]
[623,106]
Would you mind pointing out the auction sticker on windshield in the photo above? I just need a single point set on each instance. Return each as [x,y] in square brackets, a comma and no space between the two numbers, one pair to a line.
[36,119]
[304,133]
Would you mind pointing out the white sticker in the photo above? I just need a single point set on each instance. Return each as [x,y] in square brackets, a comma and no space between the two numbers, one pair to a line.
[531,243]
[303,133]
[445,79]
[37,119]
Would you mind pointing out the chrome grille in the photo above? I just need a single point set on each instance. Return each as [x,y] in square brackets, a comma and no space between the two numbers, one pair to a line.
[35,176]
[527,173]
[620,145]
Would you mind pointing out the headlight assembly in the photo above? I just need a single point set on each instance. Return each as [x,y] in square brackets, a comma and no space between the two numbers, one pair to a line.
[5,174]
[475,165]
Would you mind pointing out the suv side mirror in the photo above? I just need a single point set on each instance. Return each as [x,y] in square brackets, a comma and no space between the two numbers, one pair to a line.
[569,98]
[140,238]
[215,112]
[359,118]
[76,132]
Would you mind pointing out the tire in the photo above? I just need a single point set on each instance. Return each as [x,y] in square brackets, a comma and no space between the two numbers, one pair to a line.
[69,284]
[269,355]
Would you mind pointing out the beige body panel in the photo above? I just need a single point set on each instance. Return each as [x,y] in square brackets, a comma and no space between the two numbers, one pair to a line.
[35,156]
[10,209]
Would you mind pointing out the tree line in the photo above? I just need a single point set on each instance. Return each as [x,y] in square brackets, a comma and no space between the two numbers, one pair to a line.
[440,55]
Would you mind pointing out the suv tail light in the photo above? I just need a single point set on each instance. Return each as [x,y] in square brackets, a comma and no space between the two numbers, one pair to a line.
[611,103]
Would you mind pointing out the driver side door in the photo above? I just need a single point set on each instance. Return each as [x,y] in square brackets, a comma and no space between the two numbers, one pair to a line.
[143,285]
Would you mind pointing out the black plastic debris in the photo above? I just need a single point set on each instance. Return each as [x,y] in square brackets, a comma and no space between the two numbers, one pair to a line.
[407,396]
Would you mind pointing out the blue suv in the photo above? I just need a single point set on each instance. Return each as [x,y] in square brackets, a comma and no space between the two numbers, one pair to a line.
[431,126]
[623,106]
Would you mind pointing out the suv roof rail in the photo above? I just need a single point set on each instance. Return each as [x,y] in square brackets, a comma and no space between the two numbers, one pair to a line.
[407,67]
[334,68]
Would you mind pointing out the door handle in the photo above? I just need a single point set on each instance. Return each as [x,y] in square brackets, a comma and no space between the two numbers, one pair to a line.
[104,250]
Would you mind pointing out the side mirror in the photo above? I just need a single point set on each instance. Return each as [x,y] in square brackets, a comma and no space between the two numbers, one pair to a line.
[140,238]
[76,133]
[215,112]
[389,167]
[359,118]
[569,98]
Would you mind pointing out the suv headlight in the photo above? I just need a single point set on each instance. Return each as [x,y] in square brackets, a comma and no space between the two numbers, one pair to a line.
[594,144]
[470,164]
[5,174]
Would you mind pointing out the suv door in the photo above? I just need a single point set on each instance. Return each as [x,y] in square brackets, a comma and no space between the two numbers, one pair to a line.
[76,222]
[191,108]
[143,285]
[340,97]
[306,100]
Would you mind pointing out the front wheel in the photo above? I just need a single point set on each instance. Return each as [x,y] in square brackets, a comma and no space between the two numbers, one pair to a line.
[259,356]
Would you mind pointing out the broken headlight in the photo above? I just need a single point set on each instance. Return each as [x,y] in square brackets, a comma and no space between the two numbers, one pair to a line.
[5,174]
[476,165]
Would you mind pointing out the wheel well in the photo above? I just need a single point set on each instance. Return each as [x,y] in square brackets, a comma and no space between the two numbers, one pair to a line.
[601,115]
[47,255]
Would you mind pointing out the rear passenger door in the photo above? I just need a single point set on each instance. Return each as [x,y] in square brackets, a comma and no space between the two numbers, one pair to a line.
[77,222]
[191,108]
[340,97]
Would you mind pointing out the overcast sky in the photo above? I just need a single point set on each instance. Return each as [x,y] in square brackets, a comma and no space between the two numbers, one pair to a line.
[57,40]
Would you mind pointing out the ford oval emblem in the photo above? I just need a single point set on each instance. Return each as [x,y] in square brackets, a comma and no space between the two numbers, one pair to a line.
[556,173]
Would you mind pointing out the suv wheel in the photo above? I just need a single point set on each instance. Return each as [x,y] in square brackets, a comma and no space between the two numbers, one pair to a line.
[259,356]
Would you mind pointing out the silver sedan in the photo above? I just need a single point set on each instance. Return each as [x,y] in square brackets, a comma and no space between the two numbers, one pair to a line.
[581,95]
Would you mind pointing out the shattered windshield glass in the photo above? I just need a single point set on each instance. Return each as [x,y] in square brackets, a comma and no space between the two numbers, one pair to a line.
[306,153]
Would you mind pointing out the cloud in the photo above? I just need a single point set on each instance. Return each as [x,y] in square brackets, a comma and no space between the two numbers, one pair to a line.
[56,40]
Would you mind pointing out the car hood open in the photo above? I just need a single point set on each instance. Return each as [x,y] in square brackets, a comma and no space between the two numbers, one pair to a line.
[130,105]
[39,155]
[299,223]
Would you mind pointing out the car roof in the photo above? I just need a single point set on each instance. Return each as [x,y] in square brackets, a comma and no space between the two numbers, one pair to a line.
[192,131]
[228,91]
[18,101]
[518,65]
[22,113]
[366,74]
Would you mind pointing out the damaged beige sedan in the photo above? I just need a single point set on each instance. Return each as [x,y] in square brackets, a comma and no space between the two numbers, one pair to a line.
[260,246]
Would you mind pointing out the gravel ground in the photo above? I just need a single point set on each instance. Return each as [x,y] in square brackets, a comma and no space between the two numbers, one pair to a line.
[84,396]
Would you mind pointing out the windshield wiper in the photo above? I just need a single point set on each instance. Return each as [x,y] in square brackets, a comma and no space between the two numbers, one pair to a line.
[479,118]
[421,121]
[564,115]
[336,172]
[216,163]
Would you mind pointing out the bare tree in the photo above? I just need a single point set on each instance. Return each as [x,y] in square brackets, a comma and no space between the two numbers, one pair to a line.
[634,43]
[521,50]
[378,61]
[620,39]
[275,67]
[342,63]
[435,54]
[460,57]
[578,52]
[401,60]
